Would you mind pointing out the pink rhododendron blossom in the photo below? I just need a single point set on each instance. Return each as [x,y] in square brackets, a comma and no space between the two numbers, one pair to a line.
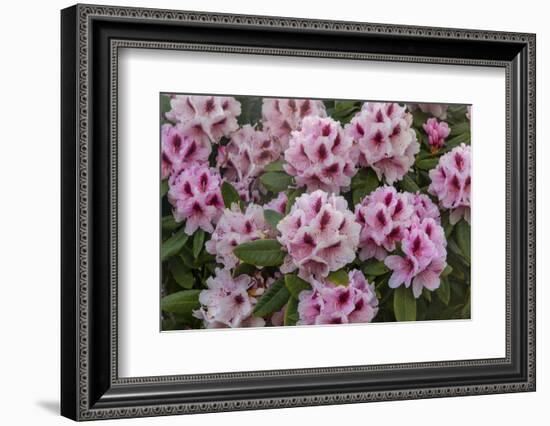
[327,303]
[278,204]
[319,234]
[244,159]
[281,116]
[384,139]
[451,181]
[437,110]
[211,116]
[227,302]
[195,194]
[180,150]
[247,153]
[437,132]
[234,228]
[320,155]
[424,249]
[385,214]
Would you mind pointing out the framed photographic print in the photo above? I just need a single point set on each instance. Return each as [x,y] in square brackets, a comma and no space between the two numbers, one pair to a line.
[263,212]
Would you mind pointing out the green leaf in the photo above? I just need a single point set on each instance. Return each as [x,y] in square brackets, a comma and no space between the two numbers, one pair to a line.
[272,217]
[169,223]
[260,253]
[230,195]
[173,245]
[363,183]
[463,238]
[181,302]
[198,242]
[459,129]
[408,184]
[375,268]
[444,291]
[164,188]
[295,285]
[457,140]
[427,294]
[273,299]
[427,164]
[244,269]
[276,181]
[447,271]
[164,105]
[251,109]
[339,277]
[447,227]
[181,273]
[291,312]
[276,166]
[404,304]
[291,198]
[419,117]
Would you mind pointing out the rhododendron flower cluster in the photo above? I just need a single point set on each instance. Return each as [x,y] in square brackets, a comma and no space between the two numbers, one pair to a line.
[282,116]
[424,248]
[205,116]
[320,156]
[437,132]
[451,181]
[285,212]
[319,234]
[328,303]
[228,302]
[384,139]
[196,198]
[245,156]
[385,215]
[180,150]
[234,228]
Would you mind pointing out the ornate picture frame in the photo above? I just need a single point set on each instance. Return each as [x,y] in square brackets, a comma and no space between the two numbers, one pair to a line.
[91,37]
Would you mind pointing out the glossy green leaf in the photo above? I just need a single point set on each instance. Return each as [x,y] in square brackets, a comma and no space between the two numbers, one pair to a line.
[273,299]
[261,253]
[291,316]
[444,291]
[463,238]
[363,183]
[459,129]
[408,184]
[181,273]
[339,277]
[164,188]
[169,223]
[404,304]
[375,268]
[173,245]
[427,164]
[295,285]
[230,195]
[272,217]
[276,166]
[198,242]
[276,181]
[181,302]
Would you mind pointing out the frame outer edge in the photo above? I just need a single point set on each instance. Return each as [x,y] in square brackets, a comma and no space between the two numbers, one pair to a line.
[79,341]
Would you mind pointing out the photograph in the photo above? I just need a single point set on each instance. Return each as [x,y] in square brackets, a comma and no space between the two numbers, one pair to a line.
[282,212]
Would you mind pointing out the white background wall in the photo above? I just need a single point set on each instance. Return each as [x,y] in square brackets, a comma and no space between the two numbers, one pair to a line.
[29,211]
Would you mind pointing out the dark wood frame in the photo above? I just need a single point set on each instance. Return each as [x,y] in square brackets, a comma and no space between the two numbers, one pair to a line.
[91,37]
